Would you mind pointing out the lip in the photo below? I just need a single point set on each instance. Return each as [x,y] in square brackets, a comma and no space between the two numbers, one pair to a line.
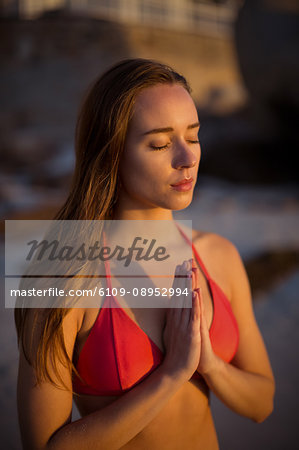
[184,181]
[183,185]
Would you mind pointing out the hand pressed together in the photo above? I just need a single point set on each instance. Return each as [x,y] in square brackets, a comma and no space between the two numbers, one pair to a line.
[186,335]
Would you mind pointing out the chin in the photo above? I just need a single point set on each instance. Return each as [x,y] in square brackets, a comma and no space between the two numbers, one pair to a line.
[182,203]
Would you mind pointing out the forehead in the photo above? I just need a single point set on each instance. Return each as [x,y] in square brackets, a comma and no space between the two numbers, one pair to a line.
[163,105]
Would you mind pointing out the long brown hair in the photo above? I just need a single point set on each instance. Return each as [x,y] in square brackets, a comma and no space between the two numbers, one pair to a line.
[100,135]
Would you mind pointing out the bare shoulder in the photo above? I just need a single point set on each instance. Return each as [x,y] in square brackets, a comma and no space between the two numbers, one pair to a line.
[215,246]
[221,259]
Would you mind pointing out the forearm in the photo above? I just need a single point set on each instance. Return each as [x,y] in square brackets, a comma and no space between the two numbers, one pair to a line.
[246,393]
[119,422]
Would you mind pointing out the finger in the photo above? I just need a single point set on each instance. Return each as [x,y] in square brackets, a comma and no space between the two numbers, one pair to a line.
[184,281]
[175,285]
[186,310]
[196,276]
[203,321]
[193,280]
[195,313]
[188,286]
[175,279]
[186,294]
[177,302]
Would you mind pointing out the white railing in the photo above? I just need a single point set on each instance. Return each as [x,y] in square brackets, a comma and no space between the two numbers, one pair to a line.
[185,15]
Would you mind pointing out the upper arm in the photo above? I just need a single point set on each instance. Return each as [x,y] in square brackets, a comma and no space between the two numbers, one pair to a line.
[44,408]
[251,354]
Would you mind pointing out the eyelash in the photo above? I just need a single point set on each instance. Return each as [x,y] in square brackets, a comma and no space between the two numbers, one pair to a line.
[165,146]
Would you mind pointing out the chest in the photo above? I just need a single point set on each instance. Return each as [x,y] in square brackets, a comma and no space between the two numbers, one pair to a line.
[150,320]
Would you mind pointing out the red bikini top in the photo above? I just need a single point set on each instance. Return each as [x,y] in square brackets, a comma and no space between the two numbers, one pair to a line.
[118,354]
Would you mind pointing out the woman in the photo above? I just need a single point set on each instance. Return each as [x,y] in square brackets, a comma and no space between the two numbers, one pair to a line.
[136,139]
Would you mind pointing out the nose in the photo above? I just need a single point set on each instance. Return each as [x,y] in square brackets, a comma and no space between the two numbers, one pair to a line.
[185,157]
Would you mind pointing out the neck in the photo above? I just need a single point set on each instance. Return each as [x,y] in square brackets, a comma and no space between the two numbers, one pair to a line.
[129,210]
[156,224]
[132,214]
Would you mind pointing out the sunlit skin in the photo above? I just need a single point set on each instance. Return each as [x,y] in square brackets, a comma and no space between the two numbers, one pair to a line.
[152,161]
[168,410]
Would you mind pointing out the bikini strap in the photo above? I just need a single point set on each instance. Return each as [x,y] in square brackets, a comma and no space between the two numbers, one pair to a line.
[197,257]
[199,260]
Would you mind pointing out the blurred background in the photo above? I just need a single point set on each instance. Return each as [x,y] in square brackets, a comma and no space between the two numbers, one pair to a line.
[241,59]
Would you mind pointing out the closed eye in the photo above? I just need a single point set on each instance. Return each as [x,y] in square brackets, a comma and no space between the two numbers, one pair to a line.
[159,148]
[165,146]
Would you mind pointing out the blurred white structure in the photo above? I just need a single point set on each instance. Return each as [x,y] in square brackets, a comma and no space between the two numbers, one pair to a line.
[200,16]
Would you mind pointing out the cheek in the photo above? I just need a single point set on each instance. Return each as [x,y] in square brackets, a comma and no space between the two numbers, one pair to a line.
[140,170]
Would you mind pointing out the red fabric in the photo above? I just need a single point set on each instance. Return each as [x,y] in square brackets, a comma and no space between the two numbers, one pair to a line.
[118,354]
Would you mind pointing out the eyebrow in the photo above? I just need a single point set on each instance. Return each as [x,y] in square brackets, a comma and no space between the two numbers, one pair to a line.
[169,129]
